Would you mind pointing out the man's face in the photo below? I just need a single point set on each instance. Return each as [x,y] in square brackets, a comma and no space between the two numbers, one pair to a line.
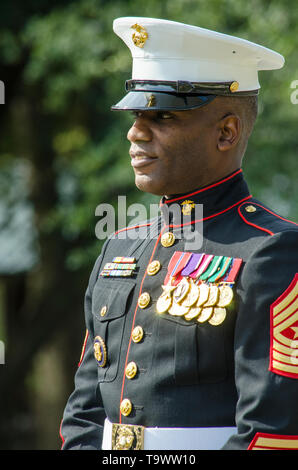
[173,152]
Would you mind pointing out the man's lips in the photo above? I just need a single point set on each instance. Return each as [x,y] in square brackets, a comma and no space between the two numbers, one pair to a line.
[140,159]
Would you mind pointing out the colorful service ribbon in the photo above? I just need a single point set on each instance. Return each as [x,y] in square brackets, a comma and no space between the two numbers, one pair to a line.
[178,261]
[121,266]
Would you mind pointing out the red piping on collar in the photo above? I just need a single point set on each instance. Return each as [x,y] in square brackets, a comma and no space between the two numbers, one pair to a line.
[213,215]
[204,189]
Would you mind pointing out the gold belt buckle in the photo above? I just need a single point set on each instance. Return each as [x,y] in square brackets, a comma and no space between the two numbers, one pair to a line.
[127,437]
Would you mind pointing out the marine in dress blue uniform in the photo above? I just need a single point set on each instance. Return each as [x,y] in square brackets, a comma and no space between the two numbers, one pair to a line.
[191,348]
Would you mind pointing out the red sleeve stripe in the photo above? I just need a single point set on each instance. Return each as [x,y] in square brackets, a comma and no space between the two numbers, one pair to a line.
[83,348]
[60,434]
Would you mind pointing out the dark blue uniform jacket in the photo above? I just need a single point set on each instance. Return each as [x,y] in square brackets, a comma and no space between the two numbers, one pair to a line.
[242,372]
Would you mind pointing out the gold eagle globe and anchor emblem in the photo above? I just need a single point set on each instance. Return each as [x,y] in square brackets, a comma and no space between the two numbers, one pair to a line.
[187,207]
[151,101]
[140,36]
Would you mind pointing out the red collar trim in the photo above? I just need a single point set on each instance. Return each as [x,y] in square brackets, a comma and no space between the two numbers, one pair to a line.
[213,215]
[167,201]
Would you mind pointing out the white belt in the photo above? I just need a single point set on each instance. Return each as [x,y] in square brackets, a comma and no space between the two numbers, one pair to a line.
[125,437]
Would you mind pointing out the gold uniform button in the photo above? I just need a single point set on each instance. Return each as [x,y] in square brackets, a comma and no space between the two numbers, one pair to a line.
[167,239]
[153,268]
[131,370]
[125,407]
[137,334]
[103,311]
[250,208]
[144,300]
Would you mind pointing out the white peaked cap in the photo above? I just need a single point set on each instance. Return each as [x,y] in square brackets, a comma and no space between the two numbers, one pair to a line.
[170,51]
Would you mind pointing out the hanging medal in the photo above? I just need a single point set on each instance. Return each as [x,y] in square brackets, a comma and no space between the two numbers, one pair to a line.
[176,264]
[199,286]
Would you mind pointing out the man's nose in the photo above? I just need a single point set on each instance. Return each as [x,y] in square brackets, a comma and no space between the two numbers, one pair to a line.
[139,131]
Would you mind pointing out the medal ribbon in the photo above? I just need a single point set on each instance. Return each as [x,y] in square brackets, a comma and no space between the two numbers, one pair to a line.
[176,264]
[225,263]
[232,274]
[200,258]
[212,268]
[204,263]
[192,264]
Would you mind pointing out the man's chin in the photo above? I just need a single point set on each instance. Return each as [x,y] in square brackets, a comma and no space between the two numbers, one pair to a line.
[148,185]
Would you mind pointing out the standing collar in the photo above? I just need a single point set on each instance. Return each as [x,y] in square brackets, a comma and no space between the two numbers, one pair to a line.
[213,199]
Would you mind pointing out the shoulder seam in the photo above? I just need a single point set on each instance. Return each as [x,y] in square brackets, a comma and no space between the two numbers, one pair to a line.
[270,212]
[131,227]
[274,213]
[251,223]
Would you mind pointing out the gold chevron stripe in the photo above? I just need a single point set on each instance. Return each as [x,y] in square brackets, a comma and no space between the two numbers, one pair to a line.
[290,359]
[286,301]
[286,349]
[288,311]
[285,367]
[276,443]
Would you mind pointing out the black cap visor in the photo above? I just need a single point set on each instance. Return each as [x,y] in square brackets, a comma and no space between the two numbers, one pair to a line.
[161,101]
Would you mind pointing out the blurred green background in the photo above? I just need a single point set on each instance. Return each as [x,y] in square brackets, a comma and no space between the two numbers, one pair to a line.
[62,153]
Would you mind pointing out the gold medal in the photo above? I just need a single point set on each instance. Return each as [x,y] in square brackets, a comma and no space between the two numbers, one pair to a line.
[225,295]
[205,314]
[163,303]
[100,351]
[218,316]
[165,299]
[192,295]
[203,294]
[181,290]
[194,312]
[168,289]
[178,310]
[213,296]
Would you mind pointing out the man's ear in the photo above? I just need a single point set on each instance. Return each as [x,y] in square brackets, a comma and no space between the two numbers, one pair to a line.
[229,132]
